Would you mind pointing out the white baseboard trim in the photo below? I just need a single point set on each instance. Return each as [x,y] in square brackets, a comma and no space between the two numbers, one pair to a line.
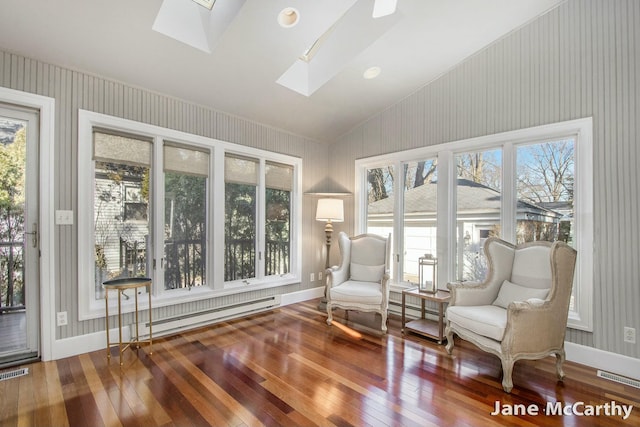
[73,346]
[300,296]
[611,362]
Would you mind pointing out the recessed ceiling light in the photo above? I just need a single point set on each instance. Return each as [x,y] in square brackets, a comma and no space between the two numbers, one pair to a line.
[372,73]
[288,17]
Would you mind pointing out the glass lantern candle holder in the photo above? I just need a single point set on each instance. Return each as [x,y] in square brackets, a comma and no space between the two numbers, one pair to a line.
[427,273]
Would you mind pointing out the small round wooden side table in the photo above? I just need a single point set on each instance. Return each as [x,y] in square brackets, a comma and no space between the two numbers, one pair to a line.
[122,285]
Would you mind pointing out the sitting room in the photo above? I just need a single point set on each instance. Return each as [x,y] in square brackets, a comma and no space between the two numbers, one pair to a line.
[336,213]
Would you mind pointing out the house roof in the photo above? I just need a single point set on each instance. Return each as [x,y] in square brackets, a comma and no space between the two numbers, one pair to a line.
[471,197]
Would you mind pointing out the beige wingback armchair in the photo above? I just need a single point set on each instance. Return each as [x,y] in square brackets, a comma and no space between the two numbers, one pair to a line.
[520,310]
[361,281]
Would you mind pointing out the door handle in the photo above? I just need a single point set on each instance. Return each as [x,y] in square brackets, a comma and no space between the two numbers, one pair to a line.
[34,235]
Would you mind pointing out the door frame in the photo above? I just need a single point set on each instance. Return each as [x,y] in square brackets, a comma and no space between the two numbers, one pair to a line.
[46,107]
[30,118]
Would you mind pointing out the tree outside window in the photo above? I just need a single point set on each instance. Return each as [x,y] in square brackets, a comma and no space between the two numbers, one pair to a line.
[241,186]
[546,180]
[12,203]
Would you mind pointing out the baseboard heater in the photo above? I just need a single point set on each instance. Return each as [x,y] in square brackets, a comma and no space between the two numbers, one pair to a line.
[618,378]
[172,325]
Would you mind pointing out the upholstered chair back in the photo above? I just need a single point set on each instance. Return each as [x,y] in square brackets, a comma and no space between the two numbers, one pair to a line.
[368,260]
[532,266]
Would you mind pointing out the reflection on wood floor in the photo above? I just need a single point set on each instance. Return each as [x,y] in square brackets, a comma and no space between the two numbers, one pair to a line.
[288,368]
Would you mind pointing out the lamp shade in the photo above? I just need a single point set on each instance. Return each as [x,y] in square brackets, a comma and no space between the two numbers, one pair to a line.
[330,210]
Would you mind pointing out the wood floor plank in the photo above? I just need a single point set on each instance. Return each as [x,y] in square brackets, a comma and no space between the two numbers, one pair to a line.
[57,410]
[100,394]
[41,396]
[26,411]
[287,367]
[186,382]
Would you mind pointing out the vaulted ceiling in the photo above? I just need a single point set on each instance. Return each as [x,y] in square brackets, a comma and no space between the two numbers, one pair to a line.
[242,68]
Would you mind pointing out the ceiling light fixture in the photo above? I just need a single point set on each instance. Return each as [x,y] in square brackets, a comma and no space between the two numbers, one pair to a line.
[371,73]
[288,17]
[206,3]
[384,7]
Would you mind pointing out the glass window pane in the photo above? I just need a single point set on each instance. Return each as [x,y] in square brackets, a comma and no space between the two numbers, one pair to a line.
[420,215]
[13,151]
[380,200]
[545,192]
[240,218]
[185,225]
[478,201]
[121,221]
[279,181]
[381,203]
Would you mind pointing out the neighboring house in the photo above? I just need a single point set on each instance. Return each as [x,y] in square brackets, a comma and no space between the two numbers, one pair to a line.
[121,211]
[478,216]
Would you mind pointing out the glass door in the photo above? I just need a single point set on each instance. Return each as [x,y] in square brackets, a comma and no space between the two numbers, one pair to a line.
[19,287]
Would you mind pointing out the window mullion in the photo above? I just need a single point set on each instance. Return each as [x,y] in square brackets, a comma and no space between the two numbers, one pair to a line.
[508,214]
[216,216]
[398,219]
[261,219]
[446,230]
[359,197]
[156,185]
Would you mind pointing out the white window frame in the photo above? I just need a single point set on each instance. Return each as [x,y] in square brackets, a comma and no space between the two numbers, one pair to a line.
[581,130]
[88,306]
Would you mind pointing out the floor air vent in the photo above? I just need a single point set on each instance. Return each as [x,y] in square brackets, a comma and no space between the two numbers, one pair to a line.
[619,379]
[13,374]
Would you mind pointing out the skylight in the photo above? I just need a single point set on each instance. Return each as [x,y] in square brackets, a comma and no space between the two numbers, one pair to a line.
[334,48]
[206,3]
[191,23]
[313,49]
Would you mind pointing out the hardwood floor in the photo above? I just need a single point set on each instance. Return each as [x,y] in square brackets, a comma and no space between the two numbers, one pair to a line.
[288,368]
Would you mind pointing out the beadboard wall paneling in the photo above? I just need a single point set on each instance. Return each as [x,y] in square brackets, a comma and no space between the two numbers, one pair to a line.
[75,90]
[581,59]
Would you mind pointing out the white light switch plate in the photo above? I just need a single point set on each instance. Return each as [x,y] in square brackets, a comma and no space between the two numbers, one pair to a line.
[64,217]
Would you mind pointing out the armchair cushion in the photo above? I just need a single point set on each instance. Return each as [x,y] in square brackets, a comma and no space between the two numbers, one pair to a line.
[486,320]
[353,291]
[510,292]
[366,273]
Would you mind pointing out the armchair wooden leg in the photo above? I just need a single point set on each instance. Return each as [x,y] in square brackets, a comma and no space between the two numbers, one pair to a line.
[507,370]
[384,322]
[449,334]
[560,358]
[329,313]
